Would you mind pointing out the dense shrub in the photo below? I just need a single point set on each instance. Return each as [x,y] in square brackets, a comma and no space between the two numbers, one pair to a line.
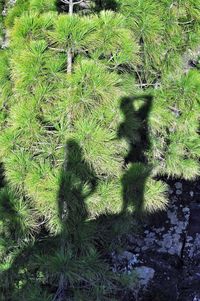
[83,144]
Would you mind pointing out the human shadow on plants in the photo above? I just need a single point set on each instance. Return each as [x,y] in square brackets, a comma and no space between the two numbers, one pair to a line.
[78,181]
[135,131]
[136,171]
[72,262]
[60,265]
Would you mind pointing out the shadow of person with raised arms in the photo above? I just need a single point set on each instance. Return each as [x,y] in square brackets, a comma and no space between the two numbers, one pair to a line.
[135,131]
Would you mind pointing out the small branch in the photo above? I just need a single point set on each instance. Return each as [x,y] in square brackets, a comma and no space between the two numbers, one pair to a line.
[148,85]
[140,80]
[68,2]
[185,23]
[58,49]
[69,61]
[60,293]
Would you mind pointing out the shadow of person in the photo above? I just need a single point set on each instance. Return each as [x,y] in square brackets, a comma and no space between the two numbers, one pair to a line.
[134,129]
[71,248]
[78,181]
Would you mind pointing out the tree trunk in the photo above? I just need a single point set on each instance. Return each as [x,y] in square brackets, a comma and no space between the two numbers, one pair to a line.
[71,6]
[69,51]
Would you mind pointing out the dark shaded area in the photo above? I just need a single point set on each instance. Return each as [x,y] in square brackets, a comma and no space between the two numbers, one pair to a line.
[1,176]
[61,7]
[82,7]
[89,6]
[136,132]
[106,4]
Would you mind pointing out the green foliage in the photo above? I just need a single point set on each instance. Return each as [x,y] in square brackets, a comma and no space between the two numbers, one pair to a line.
[144,193]
[177,126]
[22,6]
[164,30]
[77,163]
[16,11]
[16,209]
[42,6]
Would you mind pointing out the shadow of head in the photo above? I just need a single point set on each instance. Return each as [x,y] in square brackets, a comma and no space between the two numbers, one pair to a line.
[73,153]
[128,104]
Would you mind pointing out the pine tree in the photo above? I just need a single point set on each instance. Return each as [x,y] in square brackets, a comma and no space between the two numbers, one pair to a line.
[92,113]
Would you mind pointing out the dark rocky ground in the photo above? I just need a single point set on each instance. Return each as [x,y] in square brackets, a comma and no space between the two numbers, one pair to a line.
[165,254]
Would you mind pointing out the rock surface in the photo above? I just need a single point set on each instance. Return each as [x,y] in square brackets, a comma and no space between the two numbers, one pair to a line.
[144,274]
[166,254]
